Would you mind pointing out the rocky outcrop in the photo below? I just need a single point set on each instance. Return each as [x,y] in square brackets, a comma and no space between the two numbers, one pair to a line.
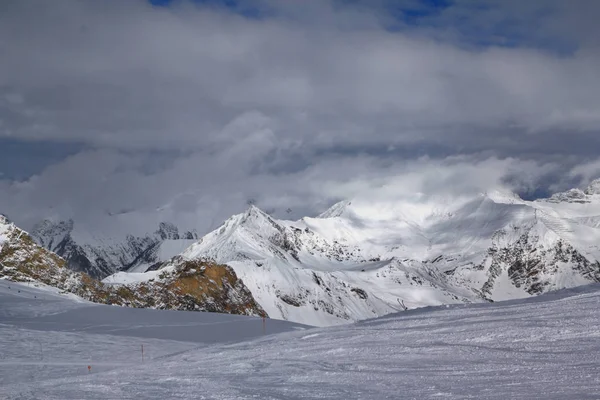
[533,266]
[21,259]
[191,286]
[181,285]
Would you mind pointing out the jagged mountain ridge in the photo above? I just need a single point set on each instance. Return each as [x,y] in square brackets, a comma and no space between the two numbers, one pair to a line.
[365,258]
[100,255]
[180,285]
[298,275]
[267,256]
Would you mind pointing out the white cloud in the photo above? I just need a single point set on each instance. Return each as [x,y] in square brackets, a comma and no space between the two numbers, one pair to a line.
[197,192]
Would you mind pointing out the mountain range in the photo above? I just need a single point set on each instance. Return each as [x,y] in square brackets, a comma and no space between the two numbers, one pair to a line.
[366,257]
[181,285]
[100,254]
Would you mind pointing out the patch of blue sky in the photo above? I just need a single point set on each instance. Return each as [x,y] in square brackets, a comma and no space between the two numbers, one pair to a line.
[249,9]
[479,25]
[474,25]
[20,159]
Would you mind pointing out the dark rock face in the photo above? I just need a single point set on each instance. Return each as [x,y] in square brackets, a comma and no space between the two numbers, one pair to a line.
[531,266]
[194,285]
[361,293]
[77,259]
[167,231]
[56,237]
[290,300]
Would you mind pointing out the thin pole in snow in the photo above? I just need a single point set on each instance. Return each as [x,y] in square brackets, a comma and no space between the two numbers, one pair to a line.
[264,326]
[142,353]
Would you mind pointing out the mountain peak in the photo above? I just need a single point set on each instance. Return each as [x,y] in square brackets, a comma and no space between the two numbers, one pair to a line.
[336,210]
[593,187]
[4,220]
[167,230]
[255,212]
[253,218]
[502,196]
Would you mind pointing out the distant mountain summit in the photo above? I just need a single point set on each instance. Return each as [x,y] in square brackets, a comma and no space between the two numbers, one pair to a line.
[100,255]
[588,195]
[593,188]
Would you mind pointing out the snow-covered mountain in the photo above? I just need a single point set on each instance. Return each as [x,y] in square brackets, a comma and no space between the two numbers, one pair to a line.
[99,253]
[180,285]
[299,274]
[365,258]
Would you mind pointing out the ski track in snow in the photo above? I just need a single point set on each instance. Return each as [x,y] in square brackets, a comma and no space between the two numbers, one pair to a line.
[547,347]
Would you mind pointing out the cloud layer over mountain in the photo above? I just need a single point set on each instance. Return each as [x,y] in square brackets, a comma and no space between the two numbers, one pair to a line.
[201,107]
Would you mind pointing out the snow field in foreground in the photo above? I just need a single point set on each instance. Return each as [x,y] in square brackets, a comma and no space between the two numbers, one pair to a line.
[544,347]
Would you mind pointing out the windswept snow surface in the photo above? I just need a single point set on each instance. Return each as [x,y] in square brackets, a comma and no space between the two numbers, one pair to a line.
[546,347]
[46,335]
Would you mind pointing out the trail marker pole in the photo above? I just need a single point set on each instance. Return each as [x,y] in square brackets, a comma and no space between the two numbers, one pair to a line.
[89,369]
[142,353]
[264,326]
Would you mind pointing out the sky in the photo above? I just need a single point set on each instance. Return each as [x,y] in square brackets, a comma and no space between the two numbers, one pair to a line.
[195,109]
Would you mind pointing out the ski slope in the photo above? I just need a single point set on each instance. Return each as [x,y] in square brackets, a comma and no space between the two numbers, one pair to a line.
[545,347]
[47,335]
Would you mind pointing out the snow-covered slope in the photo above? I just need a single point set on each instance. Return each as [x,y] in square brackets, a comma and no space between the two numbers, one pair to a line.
[299,275]
[363,258]
[542,348]
[46,334]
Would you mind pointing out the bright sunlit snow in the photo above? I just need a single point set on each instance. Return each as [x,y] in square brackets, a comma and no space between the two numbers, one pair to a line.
[364,259]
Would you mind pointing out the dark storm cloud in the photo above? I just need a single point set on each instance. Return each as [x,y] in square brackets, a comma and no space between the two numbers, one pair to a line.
[294,105]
